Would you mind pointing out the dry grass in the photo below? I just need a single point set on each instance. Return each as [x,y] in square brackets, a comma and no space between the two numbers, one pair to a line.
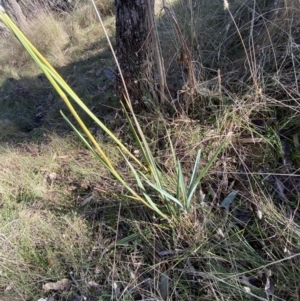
[61,38]
[47,34]
[61,213]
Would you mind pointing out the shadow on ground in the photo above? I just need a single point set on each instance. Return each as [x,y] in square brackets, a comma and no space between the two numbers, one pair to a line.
[30,105]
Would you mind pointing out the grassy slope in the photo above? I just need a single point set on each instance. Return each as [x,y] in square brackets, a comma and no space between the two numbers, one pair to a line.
[61,213]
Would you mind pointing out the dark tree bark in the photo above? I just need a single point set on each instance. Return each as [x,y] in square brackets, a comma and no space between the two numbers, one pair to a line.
[135,48]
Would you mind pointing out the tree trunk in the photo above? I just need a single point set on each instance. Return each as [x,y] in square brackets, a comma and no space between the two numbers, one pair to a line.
[134,48]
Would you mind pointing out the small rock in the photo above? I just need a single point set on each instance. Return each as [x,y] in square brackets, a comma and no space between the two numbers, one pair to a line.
[61,285]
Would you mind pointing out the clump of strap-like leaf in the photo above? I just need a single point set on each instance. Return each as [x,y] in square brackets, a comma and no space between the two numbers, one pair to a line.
[165,203]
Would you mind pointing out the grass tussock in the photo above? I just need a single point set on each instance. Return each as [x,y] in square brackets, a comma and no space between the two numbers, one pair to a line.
[47,33]
[63,216]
